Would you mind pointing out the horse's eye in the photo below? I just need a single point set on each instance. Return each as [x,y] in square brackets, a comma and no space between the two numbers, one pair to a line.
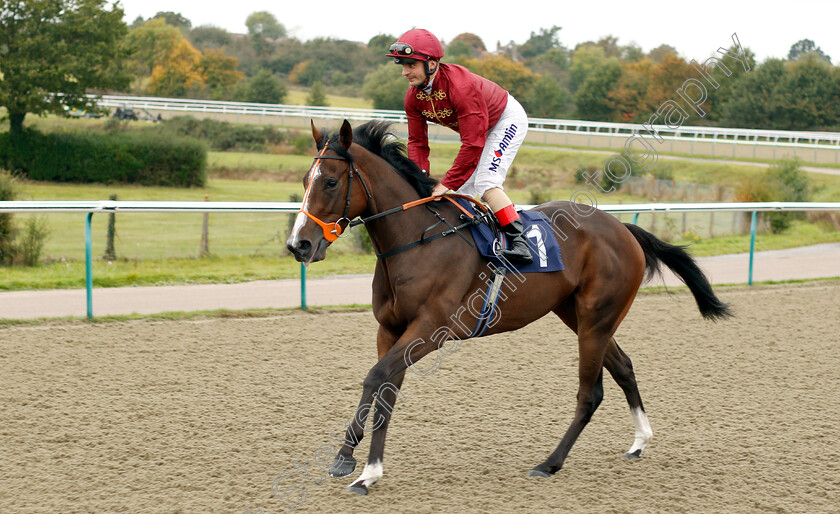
[331,182]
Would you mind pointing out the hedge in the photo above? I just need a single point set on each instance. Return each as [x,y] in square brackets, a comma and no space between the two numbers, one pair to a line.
[223,135]
[129,158]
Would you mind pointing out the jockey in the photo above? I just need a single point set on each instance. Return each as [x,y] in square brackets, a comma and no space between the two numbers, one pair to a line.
[491,123]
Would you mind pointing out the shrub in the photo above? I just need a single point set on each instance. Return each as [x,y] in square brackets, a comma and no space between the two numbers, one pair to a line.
[222,135]
[538,196]
[32,240]
[28,249]
[791,185]
[783,182]
[8,193]
[303,144]
[141,158]
[606,181]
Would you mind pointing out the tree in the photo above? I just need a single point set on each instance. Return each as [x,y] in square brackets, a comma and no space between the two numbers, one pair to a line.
[179,73]
[174,19]
[316,95]
[381,42]
[218,71]
[666,77]
[657,54]
[540,43]
[546,98]
[610,46]
[728,84]
[208,36]
[585,59]
[750,104]
[513,76]
[386,87]
[52,52]
[152,44]
[465,46]
[554,62]
[265,88]
[262,26]
[592,98]
[307,73]
[632,52]
[805,46]
[628,97]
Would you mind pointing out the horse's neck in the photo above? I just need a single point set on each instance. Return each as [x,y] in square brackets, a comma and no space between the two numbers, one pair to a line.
[389,190]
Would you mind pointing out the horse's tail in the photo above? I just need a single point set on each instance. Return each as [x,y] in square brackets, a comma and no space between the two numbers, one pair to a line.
[680,262]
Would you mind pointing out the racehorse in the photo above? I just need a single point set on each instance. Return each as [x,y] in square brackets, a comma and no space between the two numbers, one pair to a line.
[421,291]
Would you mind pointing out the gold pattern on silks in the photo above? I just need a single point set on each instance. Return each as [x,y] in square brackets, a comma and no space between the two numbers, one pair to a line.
[438,115]
[436,95]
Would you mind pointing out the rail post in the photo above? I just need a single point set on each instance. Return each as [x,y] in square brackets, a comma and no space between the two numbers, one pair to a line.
[752,244]
[89,265]
[302,286]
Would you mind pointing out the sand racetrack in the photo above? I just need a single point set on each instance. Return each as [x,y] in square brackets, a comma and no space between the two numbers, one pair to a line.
[201,416]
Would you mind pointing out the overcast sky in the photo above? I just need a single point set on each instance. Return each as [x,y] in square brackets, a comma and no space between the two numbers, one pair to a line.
[696,29]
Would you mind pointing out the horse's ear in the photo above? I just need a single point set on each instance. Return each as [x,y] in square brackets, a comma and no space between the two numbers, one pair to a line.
[346,135]
[315,132]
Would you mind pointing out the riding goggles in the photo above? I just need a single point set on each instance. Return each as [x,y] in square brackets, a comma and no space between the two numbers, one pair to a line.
[401,48]
[403,52]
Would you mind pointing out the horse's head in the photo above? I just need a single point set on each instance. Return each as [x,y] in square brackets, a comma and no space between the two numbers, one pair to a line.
[331,200]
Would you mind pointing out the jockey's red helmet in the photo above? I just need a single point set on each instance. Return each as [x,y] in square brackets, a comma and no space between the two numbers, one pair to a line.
[416,44]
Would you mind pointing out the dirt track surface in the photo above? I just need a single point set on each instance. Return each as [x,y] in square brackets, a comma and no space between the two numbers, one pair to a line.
[205,415]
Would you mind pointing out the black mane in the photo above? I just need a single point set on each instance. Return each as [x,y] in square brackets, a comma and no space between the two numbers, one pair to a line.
[375,136]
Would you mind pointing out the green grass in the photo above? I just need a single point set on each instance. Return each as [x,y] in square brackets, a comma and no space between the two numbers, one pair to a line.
[799,234]
[183,315]
[612,151]
[154,272]
[297,96]
[167,236]
[258,161]
[157,249]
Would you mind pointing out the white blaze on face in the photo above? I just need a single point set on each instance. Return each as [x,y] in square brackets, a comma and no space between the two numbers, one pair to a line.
[301,218]
[643,431]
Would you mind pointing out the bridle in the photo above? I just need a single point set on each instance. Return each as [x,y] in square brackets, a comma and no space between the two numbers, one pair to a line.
[333,231]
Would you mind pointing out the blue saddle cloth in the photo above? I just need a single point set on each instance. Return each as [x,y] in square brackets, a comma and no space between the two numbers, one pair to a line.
[538,233]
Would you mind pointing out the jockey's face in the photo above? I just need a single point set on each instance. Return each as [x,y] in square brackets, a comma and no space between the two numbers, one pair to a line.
[415,73]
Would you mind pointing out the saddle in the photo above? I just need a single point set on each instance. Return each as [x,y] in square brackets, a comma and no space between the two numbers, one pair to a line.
[489,238]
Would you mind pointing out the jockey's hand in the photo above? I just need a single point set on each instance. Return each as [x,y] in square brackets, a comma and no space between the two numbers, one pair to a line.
[439,190]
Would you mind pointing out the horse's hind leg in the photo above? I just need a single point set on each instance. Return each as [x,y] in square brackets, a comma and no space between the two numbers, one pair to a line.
[618,364]
[590,393]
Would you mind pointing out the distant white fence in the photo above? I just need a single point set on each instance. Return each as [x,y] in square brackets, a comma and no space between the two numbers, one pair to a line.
[111,206]
[820,147]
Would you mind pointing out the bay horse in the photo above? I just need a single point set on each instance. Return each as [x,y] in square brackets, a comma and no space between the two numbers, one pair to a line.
[421,294]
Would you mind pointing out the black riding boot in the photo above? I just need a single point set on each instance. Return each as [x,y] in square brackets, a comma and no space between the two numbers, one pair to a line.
[517,250]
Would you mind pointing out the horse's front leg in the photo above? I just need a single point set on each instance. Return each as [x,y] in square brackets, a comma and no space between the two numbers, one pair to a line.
[344,463]
[382,383]
[386,397]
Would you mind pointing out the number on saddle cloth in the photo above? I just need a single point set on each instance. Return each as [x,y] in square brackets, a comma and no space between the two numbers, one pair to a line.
[538,234]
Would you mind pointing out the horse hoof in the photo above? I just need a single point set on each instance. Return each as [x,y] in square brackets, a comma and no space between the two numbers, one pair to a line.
[538,473]
[634,455]
[359,489]
[342,466]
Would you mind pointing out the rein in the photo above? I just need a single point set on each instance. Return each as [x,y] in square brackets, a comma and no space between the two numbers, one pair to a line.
[334,230]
